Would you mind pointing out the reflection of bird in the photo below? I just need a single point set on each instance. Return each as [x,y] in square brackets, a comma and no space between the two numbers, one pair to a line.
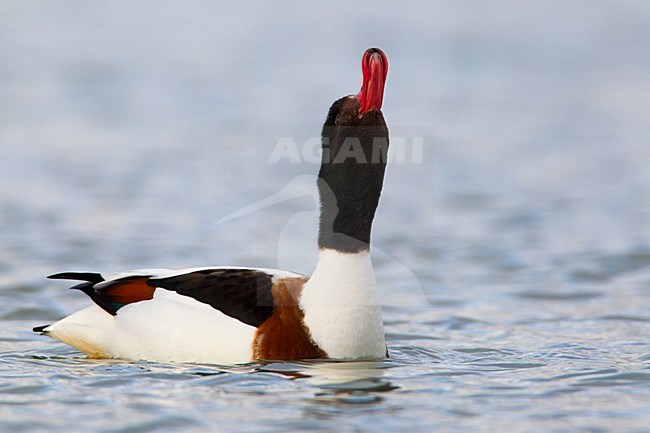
[232,314]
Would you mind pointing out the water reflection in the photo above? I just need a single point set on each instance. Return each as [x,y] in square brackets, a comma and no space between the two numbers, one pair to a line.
[339,381]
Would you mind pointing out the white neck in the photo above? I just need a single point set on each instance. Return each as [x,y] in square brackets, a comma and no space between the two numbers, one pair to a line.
[341,306]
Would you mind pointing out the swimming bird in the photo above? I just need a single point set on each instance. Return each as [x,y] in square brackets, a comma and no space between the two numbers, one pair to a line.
[229,315]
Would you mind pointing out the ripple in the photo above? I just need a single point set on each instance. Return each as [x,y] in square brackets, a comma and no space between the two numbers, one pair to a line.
[167,423]
[607,267]
[454,323]
[29,313]
[557,296]
[365,385]
[347,398]
[617,379]
[578,374]
[508,365]
[485,350]
[415,354]
[624,318]
[22,389]
[395,336]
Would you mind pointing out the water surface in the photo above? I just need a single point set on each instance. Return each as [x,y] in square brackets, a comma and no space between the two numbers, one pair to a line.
[513,255]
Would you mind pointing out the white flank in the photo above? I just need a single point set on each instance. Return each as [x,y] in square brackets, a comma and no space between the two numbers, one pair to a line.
[341,306]
[170,327]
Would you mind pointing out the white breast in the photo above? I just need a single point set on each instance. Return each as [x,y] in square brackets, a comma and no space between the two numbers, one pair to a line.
[341,306]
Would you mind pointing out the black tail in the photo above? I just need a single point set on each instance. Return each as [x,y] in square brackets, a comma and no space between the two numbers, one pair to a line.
[91,277]
[40,329]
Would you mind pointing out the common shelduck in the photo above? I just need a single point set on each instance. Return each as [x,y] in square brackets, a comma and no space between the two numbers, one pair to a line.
[229,315]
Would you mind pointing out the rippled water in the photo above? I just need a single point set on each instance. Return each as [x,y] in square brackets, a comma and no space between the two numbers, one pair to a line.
[513,254]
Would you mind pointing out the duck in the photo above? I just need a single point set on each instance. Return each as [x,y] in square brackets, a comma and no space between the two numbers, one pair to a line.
[231,315]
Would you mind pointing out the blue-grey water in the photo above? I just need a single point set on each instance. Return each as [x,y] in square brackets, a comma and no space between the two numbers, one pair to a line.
[512,242]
